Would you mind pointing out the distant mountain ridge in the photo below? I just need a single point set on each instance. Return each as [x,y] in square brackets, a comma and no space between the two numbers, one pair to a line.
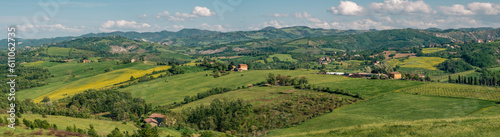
[197,37]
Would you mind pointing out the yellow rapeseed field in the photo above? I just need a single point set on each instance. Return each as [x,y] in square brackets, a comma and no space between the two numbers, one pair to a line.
[98,82]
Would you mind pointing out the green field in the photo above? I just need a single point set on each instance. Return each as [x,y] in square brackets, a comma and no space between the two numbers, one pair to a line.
[366,87]
[173,89]
[58,51]
[476,126]
[103,127]
[282,57]
[455,90]
[418,62]
[63,84]
[255,95]
[390,107]
[432,50]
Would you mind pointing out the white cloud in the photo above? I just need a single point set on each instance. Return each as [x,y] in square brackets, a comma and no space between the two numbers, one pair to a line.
[185,15]
[308,17]
[368,24]
[143,16]
[278,15]
[484,8]
[202,11]
[197,12]
[173,18]
[456,9]
[52,28]
[212,27]
[347,8]
[386,18]
[417,23]
[178,27]
[162,14]
[274,23]
[363,24]
[401,7]
[111,25]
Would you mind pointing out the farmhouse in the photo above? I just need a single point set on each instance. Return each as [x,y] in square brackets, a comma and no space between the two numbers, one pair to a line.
[241,67]
[85,61]
[395,75]
[132,60]
[155,119]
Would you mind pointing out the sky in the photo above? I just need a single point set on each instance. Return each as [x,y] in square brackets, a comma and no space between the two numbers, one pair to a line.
[54,18]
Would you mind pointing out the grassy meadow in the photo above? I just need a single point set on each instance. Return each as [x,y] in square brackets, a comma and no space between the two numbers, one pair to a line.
[366,87]
[457,127]
[255,95]
[432,50]
[390,107]
[173,89]
[456,90]
[71,78]
[282,57]
[418,62]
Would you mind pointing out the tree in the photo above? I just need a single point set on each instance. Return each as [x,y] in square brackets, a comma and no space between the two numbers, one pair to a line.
[271,79]
[449,78]
[207,134]
[132,78]
[427,78]
[148,131]
[91,132]
[303,80]
[115,133]
[368,69]
[46,99]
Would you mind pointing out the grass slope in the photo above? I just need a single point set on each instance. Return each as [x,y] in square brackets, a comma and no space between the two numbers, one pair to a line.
[63,84]
[456,90]
[103,127]
[282,57]
[390,107]
[175,88]
[366,87]
[457,127]
[418,62]
[254,94]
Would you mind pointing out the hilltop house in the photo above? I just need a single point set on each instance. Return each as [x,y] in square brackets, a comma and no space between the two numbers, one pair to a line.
[155,119]
[241,67]
[395,75]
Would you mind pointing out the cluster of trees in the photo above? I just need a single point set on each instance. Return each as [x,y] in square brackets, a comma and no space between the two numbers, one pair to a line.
[121,105]
[174,70]
[44,124]
[491,80]
[454,66]
[27,77]
[283,80]
[213,91]
[223,116]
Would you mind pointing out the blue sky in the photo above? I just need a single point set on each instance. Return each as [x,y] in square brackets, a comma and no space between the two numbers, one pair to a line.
[52,18]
